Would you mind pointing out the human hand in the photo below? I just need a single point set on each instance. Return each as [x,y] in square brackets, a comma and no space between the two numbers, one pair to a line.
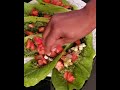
[68,27]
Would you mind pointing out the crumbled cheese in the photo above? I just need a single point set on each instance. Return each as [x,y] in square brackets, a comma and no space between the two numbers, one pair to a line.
[81,46]
[75,48]
[72,48]
[68,63]
[46,57]
[50,59]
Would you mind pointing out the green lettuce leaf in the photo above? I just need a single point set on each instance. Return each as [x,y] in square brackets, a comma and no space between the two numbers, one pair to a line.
[82,69]
[44,8]
[65,2]
[33,74]
[35,19]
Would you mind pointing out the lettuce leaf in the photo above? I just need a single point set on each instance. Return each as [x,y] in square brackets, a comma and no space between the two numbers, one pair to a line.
[65,2]
[33,74]
[28,53]
[35,19]
[31,37]
[44,8]
[81,72]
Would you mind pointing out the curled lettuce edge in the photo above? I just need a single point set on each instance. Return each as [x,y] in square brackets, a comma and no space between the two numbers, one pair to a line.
[81,72]
[44,8]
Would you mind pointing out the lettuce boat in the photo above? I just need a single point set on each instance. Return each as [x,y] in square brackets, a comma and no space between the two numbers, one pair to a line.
[43,9]
[81,69]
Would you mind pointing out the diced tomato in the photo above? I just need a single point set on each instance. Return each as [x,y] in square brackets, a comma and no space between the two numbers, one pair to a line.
[59,3]
[41,49]
[38,57]
[59,49]
[78,42]
[41,29]
[65,75]
[28,44]
[32,46]
[42,62]
[53,54]
[47,16]
[37,40]
[34,12]
[63,58]
[59,66]
[28,33]
[67,6]
[74,57]
[69,77]
[31,26]
[41,52]
[54,2]
[62,5]
[47,1]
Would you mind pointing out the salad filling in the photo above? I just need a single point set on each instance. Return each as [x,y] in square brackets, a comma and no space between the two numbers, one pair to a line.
[68,59]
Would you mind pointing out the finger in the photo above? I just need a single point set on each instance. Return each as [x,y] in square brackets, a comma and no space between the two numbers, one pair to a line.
[50,40]
[47,30]
[62,42]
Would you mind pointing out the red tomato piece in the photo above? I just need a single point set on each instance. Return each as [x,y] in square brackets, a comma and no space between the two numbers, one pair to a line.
[28,44]
[41,29]
[59,66]
[78,42]
[28,33]
[37,40]
[59,49]
[38,57]
[47,1]
[67,6]
[69,77]
[34,12]
[59,3]
[63,58]
[32,46]
[53,54]
[74,57]
[42,62]
[47,16]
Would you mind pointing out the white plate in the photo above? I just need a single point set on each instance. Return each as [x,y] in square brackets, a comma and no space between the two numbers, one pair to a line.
[80,4]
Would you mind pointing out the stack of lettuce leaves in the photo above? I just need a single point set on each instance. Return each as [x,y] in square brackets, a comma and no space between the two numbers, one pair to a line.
[82,67]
